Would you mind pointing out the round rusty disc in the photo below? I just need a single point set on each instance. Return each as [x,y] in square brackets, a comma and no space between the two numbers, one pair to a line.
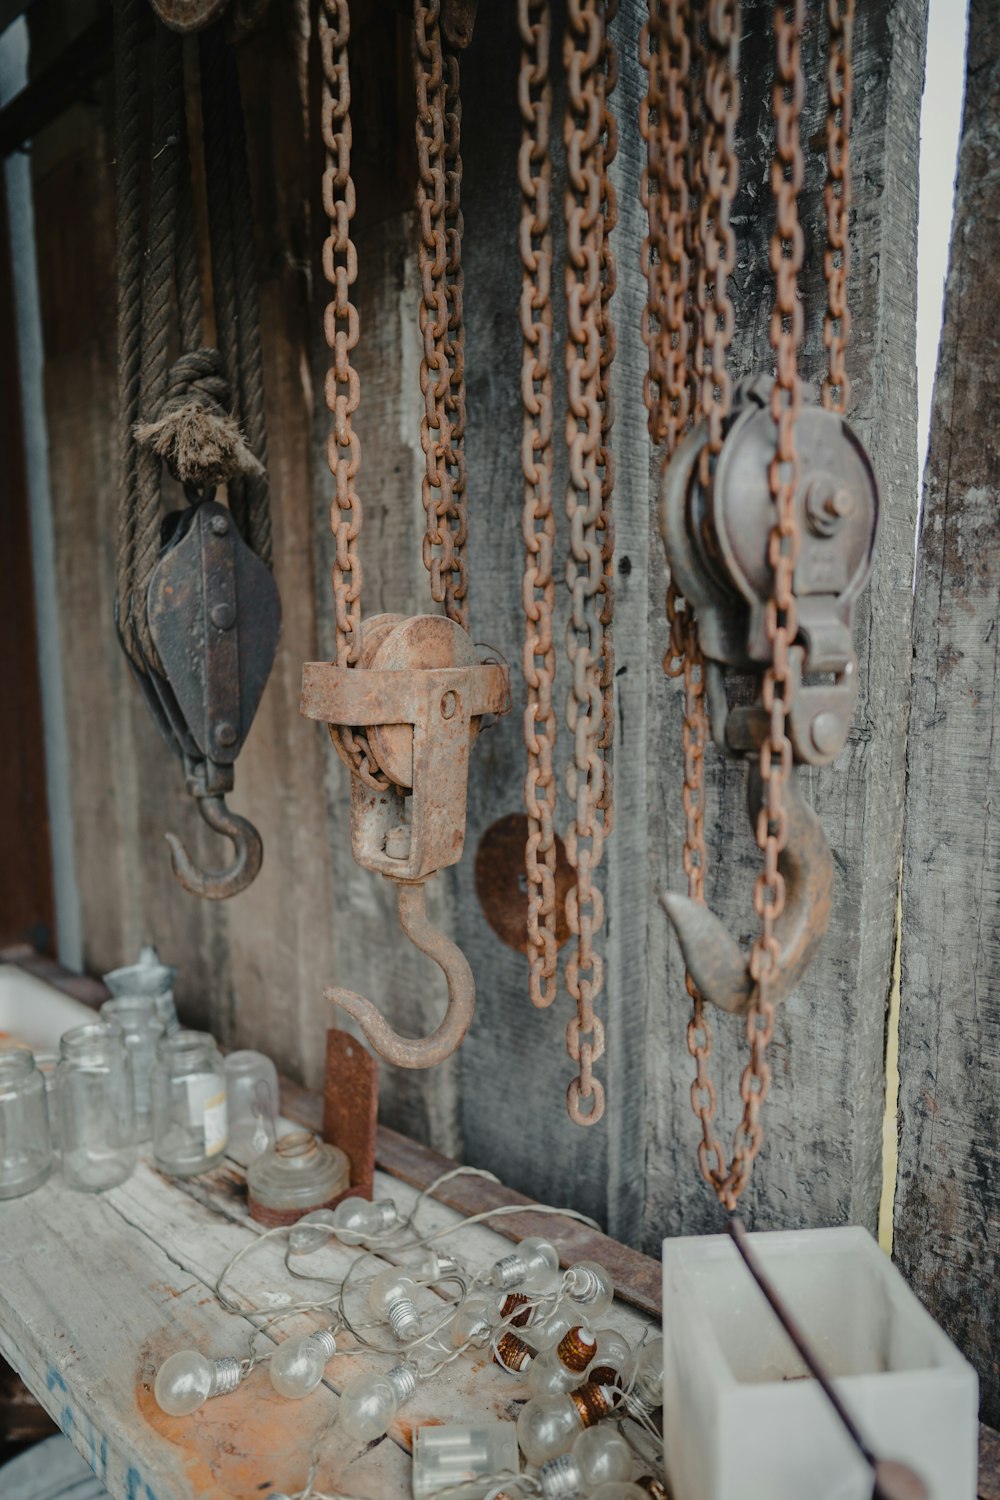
[502,886]
[188,15]
[414,644]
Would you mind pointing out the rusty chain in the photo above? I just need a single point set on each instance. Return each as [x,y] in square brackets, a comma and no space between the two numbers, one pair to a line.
[538,522]
[590,211]
[837,201]
[698,44]
[343,388]
[442,366]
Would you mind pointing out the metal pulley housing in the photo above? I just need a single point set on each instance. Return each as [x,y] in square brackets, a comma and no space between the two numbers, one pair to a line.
[717,538]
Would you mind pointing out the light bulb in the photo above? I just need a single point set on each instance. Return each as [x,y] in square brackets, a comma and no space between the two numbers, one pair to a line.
[561,1368]
[597,1457]
[533,1266]
[649,1374]
[187,1379]
[512,1353]
[390,1296]
[298,1365]
[614,1358]
[431,1266]
[590,1289]
[547,1425]
[550,1328]
[368,1403]
[474,1322]
[355,1219]
[312,1231]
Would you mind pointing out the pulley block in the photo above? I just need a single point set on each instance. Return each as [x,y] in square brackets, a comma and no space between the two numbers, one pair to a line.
[717,538]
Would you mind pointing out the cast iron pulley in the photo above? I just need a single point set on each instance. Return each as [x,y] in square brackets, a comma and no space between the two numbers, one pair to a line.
[717,539]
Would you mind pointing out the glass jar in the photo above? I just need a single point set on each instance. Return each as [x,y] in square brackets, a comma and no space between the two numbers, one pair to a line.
[252,1092]
[147,979]
[300,1173]
[142,1029]
[46,1063]
[96,1107]
[25,1144]
[190,1122]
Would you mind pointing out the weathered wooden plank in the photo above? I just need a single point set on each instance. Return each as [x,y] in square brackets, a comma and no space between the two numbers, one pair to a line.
[947,1221]
[821,1163]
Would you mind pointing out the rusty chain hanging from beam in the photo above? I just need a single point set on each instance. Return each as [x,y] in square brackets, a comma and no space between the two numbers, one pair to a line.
[690,50]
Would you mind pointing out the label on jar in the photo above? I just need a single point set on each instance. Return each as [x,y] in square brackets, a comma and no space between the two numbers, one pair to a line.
[207,1110]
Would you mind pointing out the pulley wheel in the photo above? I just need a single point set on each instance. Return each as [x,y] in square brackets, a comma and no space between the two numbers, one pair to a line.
[416,644]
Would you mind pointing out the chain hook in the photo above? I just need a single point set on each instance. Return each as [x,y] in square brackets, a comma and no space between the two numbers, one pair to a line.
[715,960]
[218,885]
[423,1052]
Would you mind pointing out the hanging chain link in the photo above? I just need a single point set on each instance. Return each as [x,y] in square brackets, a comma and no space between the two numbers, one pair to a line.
[442,367]
[590,211]
[837,201]
[343,388]
[685,44]
[534,22]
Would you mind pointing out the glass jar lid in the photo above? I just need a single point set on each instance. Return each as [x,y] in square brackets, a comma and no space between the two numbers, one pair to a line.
[298,1172]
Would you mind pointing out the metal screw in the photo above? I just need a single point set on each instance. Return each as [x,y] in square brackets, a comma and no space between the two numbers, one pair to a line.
[397,842]
[449,703]
[223,616]
[225,733]
[220,525]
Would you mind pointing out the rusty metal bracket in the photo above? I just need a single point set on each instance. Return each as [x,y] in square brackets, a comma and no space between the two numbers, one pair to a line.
[419,697]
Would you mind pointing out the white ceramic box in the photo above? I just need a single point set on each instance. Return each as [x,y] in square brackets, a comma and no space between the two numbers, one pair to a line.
[742,1418]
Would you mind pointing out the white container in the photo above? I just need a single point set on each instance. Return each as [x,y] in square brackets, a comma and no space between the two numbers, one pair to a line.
[742,1419]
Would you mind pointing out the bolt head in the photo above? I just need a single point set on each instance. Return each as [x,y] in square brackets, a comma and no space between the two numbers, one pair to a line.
[449,703]
[225,733]
[220,525]
[826,733]
[223,616]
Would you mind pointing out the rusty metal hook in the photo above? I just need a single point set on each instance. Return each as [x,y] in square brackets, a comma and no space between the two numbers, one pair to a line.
[423,1052]
[715,960]
[217,885]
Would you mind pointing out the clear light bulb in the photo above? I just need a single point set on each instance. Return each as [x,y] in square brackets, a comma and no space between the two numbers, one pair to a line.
[550,1328]
[298,1365]
[649,1373]
[597,1457]
[187,1379]
[312,1231]
[474,1322]
[561,1368]
[355,1219]
[390,1296]
[614,1358]
[431,1266]
[533,1266]
[368,1403]
[589,1289]
[547,1425]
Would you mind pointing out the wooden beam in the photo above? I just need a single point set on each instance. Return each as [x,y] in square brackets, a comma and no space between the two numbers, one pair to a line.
[947,1229]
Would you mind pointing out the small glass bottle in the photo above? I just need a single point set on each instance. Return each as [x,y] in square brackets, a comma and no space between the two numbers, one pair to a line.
[298,1175]
[148,979]
[96,1106]
[142,1029]
[190,1121]
[25,1145]
[252,1086]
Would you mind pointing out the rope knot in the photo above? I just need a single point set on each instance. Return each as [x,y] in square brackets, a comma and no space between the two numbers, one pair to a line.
[195,432]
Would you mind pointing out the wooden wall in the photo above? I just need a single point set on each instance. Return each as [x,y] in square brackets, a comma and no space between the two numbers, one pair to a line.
[948,1204]
[255,967]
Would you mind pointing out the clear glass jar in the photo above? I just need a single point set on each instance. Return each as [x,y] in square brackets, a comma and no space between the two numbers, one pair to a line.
[190,1121]
[96,1107]
[299,1174]
[46,1063]
[142,1029]
[25,1144]
[252,1092]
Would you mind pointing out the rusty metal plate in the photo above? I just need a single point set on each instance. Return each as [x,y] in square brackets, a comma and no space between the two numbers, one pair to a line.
[350,1105]
[501,884]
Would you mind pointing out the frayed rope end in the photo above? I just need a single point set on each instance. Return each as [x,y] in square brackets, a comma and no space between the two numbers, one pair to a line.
[200,447]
